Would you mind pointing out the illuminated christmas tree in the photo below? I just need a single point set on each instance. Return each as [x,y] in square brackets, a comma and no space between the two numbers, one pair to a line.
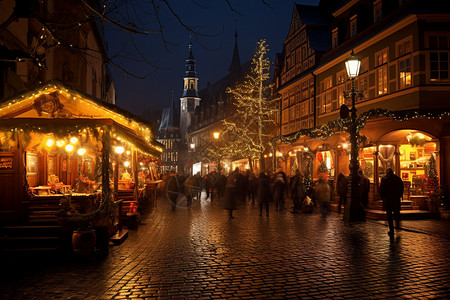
[432,179]
[247,132]
[322,167]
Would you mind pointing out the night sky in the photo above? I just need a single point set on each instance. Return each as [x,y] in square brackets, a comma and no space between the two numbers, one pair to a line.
[213,54]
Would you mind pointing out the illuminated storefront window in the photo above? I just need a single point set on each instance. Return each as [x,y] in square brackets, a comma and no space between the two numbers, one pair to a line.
[367,162]
[414,160]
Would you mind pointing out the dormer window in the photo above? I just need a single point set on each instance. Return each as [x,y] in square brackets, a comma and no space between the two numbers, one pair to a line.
[377,11]
[334,38]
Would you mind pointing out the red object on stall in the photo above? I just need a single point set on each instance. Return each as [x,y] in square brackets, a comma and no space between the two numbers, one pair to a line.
[319,157]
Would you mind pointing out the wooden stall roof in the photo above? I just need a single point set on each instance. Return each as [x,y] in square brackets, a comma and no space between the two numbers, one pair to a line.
[55,104]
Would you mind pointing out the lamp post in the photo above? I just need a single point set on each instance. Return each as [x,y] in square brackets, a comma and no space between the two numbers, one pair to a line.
[354,210]
[216,135]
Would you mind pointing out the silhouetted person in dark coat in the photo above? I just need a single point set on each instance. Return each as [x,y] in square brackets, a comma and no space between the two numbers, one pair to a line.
[253,186]
[241,186]
[231,193]
[263,195]
[323,195]
[391,190]
[221,182]
[298,192]
[365,188]
[279,189]
[341,189]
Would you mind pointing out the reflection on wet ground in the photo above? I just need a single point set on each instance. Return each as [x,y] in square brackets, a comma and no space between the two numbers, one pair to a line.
[197,252]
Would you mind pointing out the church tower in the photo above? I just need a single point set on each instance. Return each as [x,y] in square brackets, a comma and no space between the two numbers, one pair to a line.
[190,99]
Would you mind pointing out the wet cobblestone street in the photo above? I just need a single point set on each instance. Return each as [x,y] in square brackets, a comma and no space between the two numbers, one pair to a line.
[198,253]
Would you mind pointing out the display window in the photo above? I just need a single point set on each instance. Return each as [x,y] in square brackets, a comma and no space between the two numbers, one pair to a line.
[385,159]
[414,160]
[366,162]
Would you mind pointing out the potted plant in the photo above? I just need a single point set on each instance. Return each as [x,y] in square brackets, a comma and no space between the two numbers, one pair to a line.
[91,231]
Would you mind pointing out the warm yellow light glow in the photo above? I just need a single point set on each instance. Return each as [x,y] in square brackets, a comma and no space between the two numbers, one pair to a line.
[73,140]
[128,152]
[119,149]
[270,154]
[81,151]
[50,143]
[216,134]
[352,65]
[69,148]
[60,143]
[345,145]
[126,164]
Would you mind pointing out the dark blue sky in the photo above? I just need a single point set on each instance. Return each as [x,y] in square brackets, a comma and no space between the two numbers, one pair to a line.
[213,57]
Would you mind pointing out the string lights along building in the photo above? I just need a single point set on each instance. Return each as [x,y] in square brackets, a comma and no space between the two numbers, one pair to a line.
[403,91]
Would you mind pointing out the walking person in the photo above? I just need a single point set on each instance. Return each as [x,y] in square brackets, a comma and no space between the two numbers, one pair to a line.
[253,187]
[365,188]
[341,189]
[391,190]
[279,189]
[231,192]
[297,191]
[221,182]
[241,186]
[323,196]
[263,194]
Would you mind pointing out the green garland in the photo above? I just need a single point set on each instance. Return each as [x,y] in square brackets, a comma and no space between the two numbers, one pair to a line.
[338,126]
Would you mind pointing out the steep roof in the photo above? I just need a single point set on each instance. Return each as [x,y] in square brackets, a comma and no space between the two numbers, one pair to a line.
[170,116]
[235,65]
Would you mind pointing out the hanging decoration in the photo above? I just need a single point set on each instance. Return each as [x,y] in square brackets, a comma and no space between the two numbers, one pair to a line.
[338,126]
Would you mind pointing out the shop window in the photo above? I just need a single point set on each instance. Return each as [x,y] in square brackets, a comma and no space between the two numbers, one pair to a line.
[31,164]
[385,159]
[367,162]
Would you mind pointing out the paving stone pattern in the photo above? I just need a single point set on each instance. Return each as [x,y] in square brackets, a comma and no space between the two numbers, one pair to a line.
[198,253]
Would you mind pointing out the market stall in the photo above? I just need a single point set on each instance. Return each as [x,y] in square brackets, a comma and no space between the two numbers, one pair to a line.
[57,142]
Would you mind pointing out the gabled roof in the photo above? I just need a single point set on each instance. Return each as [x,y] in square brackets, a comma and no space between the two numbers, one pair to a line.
[170,116]
[56,104]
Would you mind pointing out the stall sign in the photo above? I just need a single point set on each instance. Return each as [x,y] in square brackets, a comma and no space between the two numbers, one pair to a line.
[6,163]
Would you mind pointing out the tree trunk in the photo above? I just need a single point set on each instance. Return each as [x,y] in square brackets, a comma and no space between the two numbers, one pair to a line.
[250,164]
[262,162]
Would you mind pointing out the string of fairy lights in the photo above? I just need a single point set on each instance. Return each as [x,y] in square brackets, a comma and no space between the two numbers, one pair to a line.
[323,132]
[64,130]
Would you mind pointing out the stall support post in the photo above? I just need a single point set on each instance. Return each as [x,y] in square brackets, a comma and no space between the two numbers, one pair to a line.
[105,162]
[135,175]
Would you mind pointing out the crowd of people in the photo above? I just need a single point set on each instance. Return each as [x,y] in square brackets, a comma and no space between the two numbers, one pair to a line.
[238,187]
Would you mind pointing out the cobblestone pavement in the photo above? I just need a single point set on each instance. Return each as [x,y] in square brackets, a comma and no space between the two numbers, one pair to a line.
[198,253]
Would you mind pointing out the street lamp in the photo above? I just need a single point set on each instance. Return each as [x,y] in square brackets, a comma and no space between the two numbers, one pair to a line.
[354,210]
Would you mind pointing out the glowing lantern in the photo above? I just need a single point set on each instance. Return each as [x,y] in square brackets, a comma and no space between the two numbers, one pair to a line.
[81,151]
[69,148]
[73,140]
[60,143]
[50,143]
[119,149]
